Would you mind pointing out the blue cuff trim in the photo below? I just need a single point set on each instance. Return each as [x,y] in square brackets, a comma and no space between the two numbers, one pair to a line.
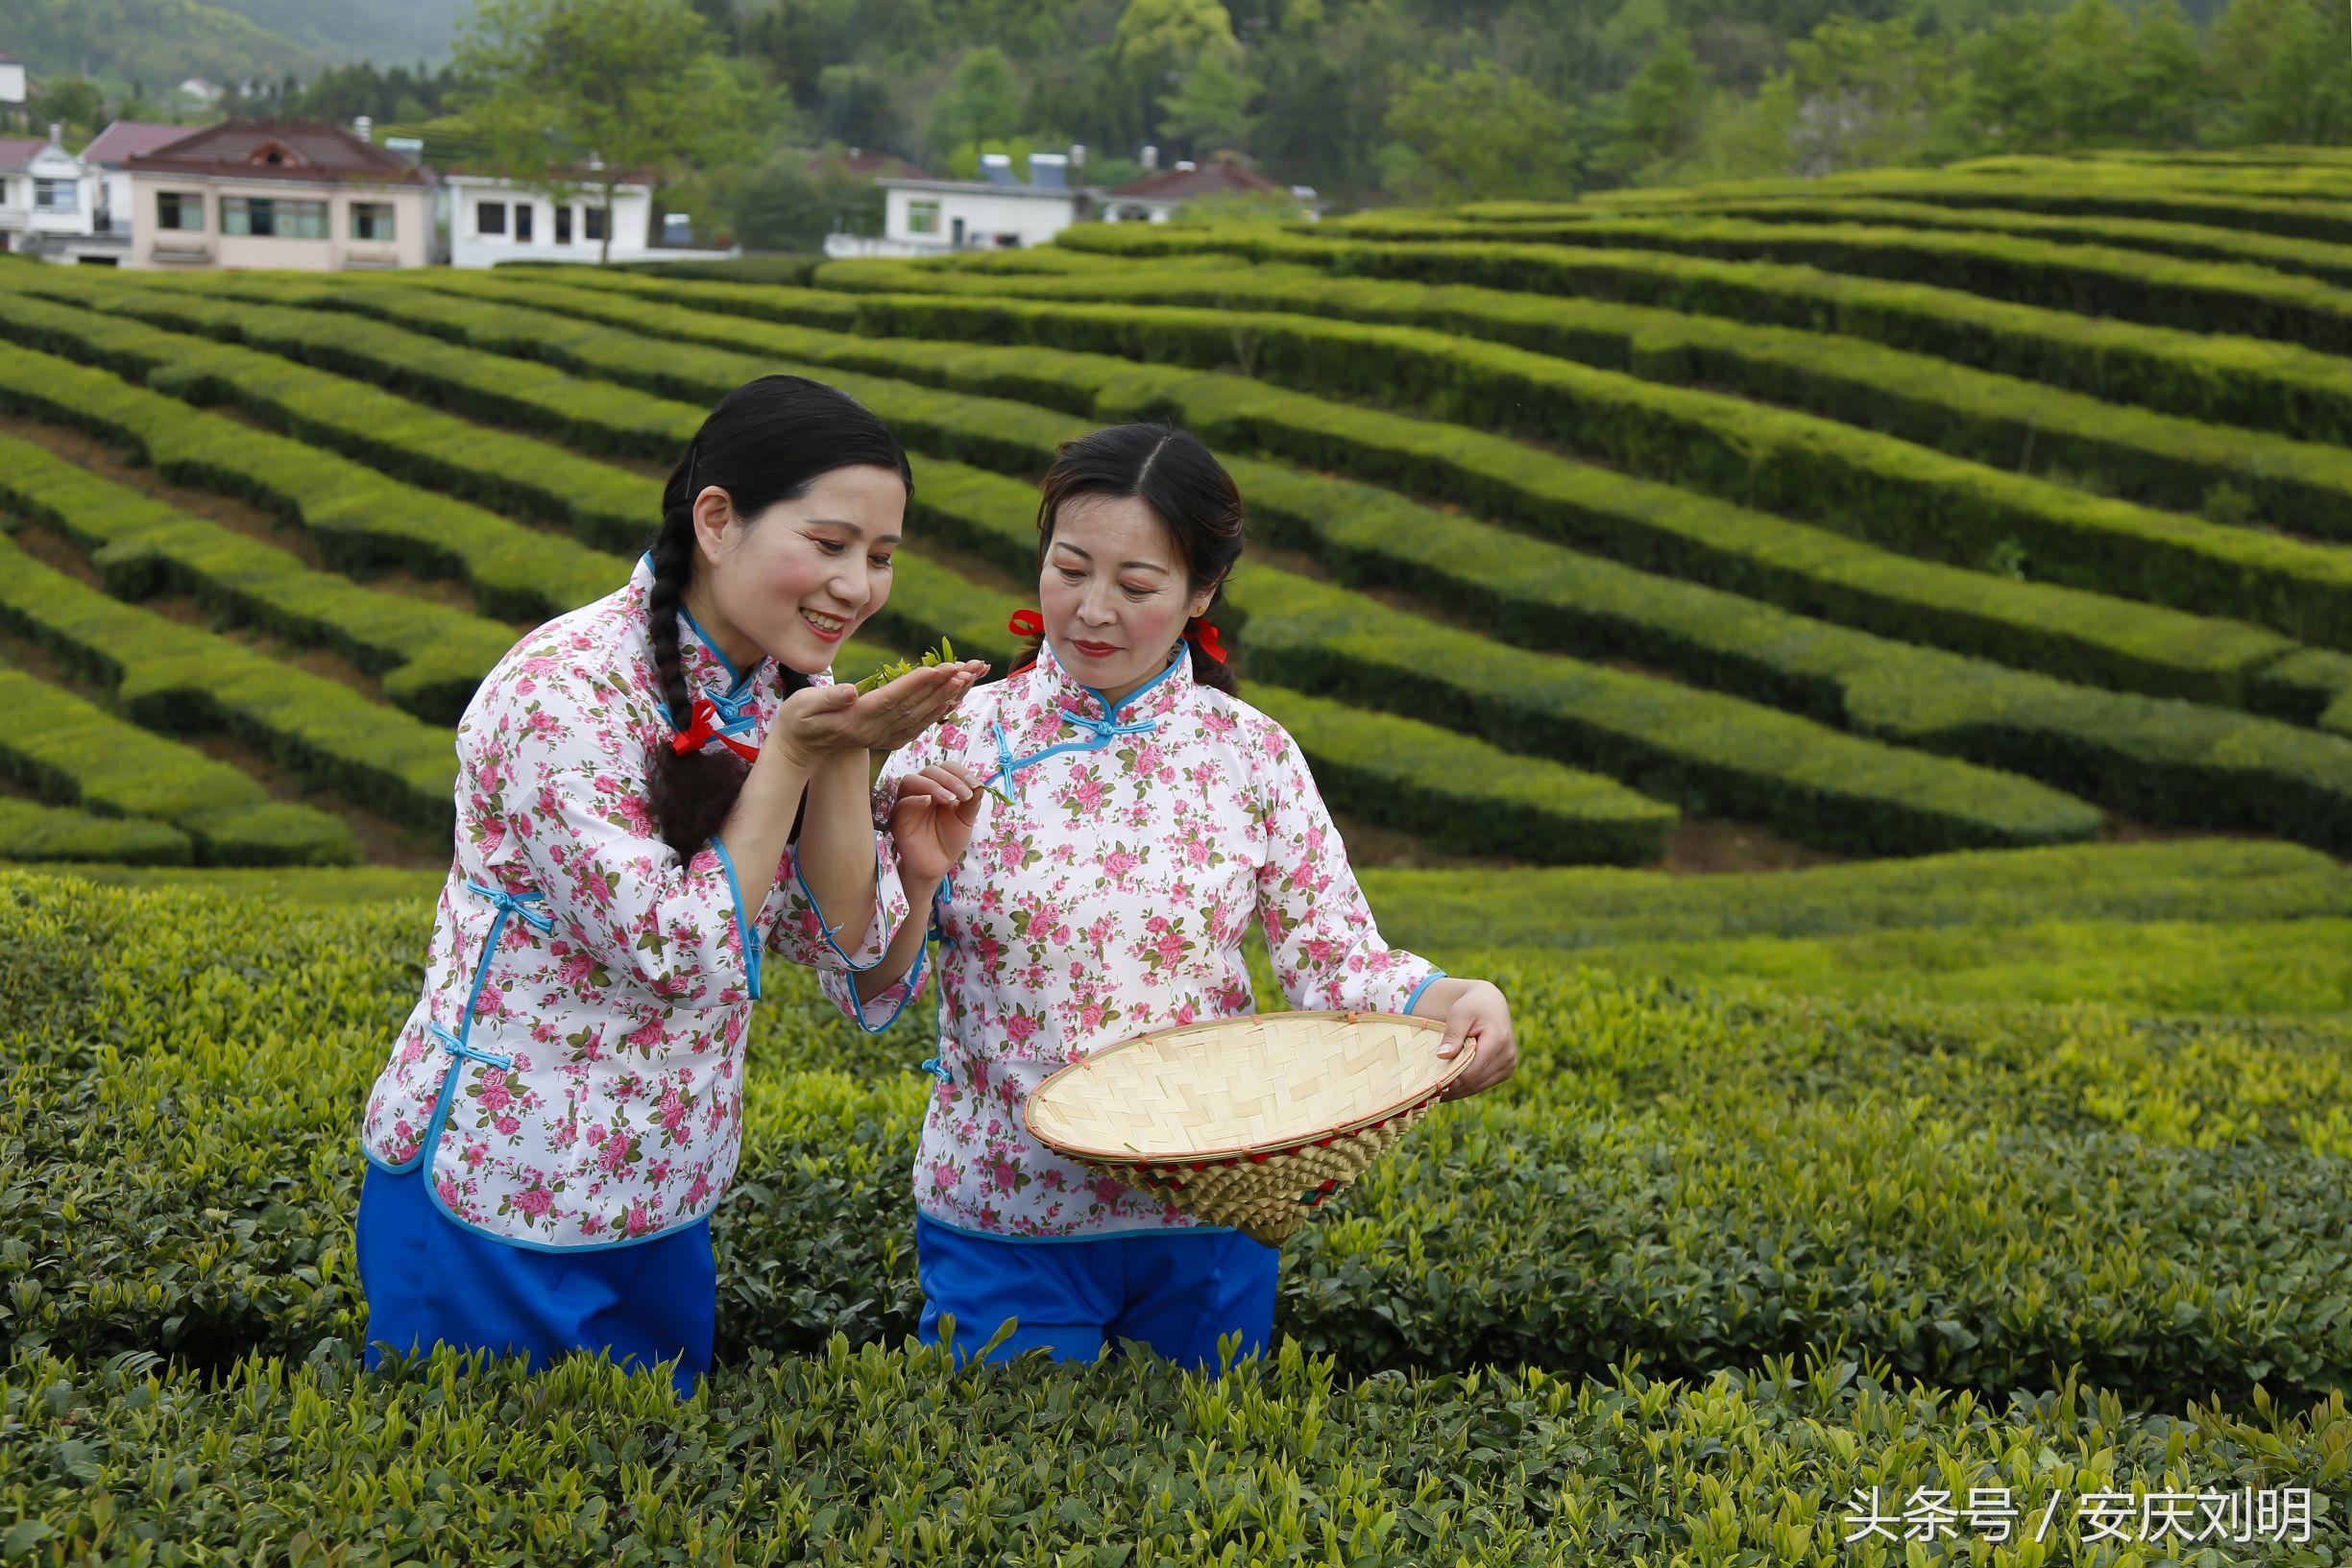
[1435,975]
[828,928]
[912,981]
[743,922]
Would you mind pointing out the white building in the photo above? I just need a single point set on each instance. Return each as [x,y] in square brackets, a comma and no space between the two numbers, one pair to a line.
[47,195]
[932,217]
[106,158]
[490,218]
[11,82]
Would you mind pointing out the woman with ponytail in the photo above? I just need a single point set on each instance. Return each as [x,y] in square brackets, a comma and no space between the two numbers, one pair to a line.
[1150,817]
[656,793]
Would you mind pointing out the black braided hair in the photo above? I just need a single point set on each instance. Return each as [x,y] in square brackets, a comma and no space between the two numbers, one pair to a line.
[765,442]
[1185,487]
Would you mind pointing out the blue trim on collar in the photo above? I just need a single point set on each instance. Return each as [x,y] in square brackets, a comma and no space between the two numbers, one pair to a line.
[740,677]
[1112,712]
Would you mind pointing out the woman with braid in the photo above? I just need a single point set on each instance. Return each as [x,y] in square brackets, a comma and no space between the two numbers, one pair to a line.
[657,794]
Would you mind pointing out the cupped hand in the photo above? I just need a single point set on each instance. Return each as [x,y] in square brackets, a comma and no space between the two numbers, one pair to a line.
[931,822]
[819,720]
[1480,1020]
[889,716]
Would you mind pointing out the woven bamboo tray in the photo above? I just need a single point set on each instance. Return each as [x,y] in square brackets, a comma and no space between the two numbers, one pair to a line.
[1251,1122]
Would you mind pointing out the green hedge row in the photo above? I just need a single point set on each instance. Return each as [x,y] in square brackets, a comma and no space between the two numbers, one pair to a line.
[2278,969]
[1591,820]
[2232,380]
[363,522]
[30,831]
[177,679]
[1442,912]
[2107,280]
[70,751]
[419,370]
[1510,806]
[608,508]
[430,656]
[2195,241]
[2156,761]
[2223,201]
[1457,794]
[889,1455]
[2240,199]
[1704,752]
[2075,634]
[1700,1181]
[1872,485]
[2006,421]
[1700,751]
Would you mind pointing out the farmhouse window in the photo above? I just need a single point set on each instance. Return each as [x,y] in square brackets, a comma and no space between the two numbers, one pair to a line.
[371,220]
[57,196]
[273,217]
[180,210]
[522,221]
[922,217]
[563,224]
[490,217]
[591,223]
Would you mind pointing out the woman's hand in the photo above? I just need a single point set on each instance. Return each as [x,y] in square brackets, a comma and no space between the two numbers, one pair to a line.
[911,704]
[823,719]
[1480,1017]
[931,822]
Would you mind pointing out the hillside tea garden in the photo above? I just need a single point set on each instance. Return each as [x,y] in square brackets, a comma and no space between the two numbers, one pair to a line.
[1865,663]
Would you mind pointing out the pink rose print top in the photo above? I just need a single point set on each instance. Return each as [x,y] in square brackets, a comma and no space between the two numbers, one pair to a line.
[572,1075]
[1110,899]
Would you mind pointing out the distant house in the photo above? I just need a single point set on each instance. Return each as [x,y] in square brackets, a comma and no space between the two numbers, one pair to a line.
[47,195]
[1156,196]
[106,157]
[932,217]
[492,219]
[11,82]
[199,90]
[273,193]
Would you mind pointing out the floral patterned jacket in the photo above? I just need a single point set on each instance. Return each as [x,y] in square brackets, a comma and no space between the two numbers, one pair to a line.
[1110,899]
[572,1075]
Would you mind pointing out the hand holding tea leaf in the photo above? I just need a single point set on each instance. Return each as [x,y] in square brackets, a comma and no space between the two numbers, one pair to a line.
[931,822]
[884,674]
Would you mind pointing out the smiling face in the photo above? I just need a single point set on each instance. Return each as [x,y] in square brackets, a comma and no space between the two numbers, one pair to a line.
[1114,594]
[804,573]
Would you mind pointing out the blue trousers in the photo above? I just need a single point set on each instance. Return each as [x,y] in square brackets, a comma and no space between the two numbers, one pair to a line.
[431,1281]
[1176,1292]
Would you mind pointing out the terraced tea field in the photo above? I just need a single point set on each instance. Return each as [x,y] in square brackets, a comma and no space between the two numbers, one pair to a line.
[1959,561]
[1859,519]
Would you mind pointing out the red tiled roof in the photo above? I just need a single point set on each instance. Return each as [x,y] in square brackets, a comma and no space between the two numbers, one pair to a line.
[874,166]
[131,139]
[311,151]
[16,152]
[1221,176]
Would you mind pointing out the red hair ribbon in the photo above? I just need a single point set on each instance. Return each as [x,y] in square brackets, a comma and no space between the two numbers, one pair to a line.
[1204,636]
[1025,623]
[704,726]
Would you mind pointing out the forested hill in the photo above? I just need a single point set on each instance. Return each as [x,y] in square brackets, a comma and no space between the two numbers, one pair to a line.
[1367,100]
[155,44]
[1444,100]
